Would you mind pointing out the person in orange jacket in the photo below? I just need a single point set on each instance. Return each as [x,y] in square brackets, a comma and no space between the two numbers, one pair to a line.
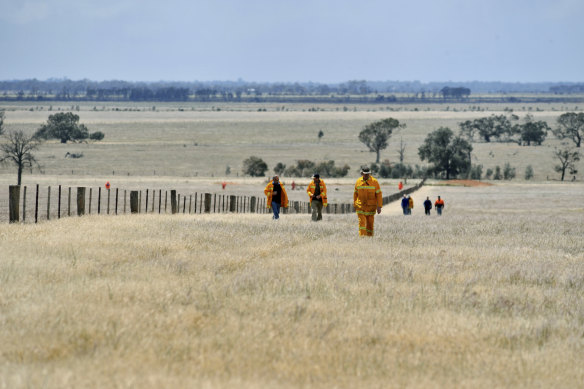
[277,196]
[439,204]
[410,205]
[367,199]
[317,194]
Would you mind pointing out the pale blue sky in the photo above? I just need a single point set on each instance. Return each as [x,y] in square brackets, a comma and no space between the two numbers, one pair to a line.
[286,41]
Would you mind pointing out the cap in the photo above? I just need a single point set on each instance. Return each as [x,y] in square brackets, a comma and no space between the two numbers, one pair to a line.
[315,175]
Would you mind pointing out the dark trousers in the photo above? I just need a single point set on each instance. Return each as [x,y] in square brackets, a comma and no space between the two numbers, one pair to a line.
[316,207]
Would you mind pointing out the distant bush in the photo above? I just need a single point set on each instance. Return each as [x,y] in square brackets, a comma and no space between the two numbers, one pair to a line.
[476,172]
[255,167]
[306,168]
[497,175]
[528,172]
[508,172]
[97,135]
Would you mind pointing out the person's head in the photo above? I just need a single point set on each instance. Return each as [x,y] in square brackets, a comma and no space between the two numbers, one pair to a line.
[276,179]
[428,198]
[316,177]
[438,197]
[365,172]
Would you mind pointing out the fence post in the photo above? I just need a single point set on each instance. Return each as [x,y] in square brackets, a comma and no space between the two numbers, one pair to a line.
[59,206]
[207,202]
[36,205]
[252,204]
[124,201]
[146,207]
[173,201]
[108,201]
[90,193]
[116,201]
[80,201]
[232,203]
[14,203]
[184,203]
[134,201]
[69,203]
[49,203]
[24,205]
[159,200]
[99,200]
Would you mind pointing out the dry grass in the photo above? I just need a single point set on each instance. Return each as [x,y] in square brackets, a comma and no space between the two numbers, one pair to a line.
[488,295]
[194,140]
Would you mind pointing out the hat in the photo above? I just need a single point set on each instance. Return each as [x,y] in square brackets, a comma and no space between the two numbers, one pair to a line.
[315,175]
[365,170]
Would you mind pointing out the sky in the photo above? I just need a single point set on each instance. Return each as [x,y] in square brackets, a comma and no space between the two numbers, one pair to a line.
[323,41]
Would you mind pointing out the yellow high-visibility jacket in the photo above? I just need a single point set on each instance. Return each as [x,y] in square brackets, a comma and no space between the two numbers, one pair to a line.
[312,187]
[268,192]
[367,196]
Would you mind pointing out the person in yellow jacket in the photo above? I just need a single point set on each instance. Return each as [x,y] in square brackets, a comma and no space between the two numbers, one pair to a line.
[317,194]
[277,196]
[367,200]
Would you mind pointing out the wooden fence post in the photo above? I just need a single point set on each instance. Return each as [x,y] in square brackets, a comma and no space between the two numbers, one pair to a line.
[207,202]
[69,203]
[184,203]
[124,201]
[173,205]
[99,200]
[159,200]
[146,207]
[14,203]
[153,199]
[59,206]
[134,201]
[49,203]
[90,195]
[232,203]
[80,201]
[252,204]
[108,201]
[116,201]
[36,205]
[24,205]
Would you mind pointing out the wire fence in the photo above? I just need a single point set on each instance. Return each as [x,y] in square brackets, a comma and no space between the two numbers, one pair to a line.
[33,204]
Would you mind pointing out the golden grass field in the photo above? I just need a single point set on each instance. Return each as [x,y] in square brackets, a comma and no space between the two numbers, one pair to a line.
[488,295]
[194,140]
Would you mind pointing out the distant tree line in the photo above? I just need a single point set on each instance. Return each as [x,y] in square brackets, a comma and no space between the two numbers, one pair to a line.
[353,90]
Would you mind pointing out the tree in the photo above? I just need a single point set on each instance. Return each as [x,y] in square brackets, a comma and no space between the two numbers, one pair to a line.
[376,135]
[18,150]
[1,121]
[255,167]
[571,126]
[448,154]
[63,126]
[531,131]
[490,127]
[279,168]
[568,159]
[528,172]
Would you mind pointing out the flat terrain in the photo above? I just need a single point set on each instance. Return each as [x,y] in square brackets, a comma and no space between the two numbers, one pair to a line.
[206,140]
[487,295]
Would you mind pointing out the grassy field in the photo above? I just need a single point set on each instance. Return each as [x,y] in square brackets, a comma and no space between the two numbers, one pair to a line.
[488,295]
[205,139]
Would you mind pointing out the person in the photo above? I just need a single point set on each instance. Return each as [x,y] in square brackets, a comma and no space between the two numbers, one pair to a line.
[427,206]
[317,194]
[410,205]
[439,204]
[367,199]
[277,196]
[405,204]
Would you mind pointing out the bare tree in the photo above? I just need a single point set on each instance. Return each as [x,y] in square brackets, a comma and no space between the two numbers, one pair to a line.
[18,150]
[402,150]
[568,159]
[1,121]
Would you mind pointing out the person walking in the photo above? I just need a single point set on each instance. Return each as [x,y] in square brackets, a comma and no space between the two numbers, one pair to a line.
[317,194]
[410,205]
[427,206]
[405,204]
[439,205]
[277,196]
[367,199]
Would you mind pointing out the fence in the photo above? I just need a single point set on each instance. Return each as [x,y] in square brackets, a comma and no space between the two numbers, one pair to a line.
[50,203]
